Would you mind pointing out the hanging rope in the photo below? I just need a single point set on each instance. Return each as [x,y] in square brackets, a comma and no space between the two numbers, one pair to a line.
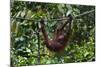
[59,19]
[85,13]
[38,36]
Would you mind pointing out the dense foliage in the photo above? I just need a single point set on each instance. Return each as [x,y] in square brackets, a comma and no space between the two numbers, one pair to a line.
[26,38]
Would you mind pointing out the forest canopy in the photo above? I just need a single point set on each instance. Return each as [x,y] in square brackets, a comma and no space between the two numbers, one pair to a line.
[27,43]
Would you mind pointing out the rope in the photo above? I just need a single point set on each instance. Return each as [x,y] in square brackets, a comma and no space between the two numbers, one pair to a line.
[59,19]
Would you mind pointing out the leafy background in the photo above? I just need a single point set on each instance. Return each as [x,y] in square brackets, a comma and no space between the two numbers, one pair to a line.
[25,35]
